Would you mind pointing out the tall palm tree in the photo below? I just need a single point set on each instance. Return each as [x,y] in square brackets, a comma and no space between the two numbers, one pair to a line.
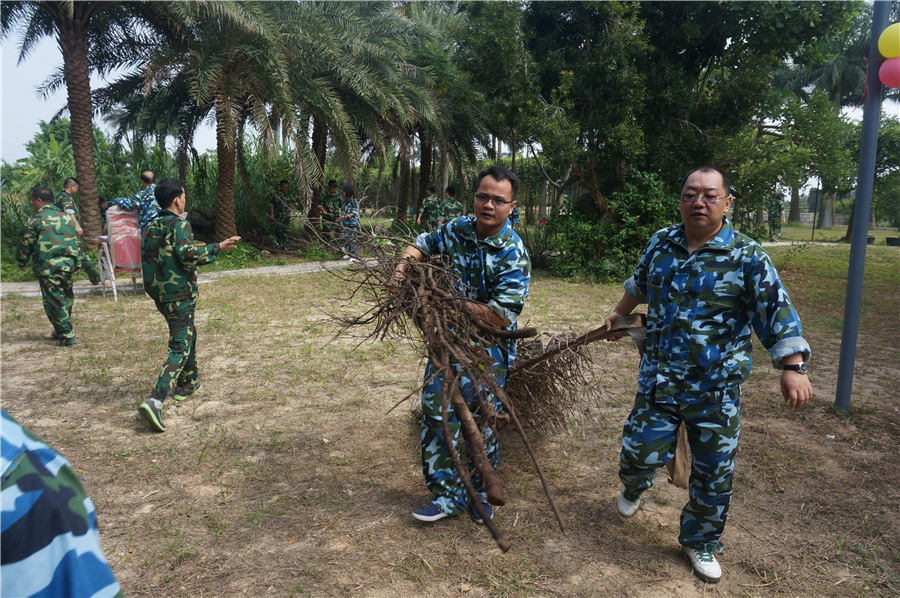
[87,33]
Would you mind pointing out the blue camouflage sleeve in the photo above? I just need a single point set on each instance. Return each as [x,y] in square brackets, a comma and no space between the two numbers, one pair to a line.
[636,286]
[774,319]
[508,296]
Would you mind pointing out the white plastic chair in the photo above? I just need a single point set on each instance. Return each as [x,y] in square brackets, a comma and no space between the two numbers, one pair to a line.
[120,248]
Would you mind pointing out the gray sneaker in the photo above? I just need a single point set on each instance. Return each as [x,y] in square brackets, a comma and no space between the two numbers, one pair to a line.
[151,412]
[182,394]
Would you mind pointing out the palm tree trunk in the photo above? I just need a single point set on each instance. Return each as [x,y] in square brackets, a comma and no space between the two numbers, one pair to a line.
[794,214]
[74,45]
[319,147]
[225,225]
[425,170]
[445,169]
[242,170]
[403,197]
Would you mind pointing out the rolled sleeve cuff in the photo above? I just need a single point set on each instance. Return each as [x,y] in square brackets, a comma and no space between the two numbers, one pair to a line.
[634,291]
[507,314]
[422,244]
[70,212]
[787,347]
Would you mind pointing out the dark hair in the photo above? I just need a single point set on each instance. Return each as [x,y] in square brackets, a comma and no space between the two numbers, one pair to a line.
[726,182]
[332,183]
[283,182]
[349,190]
[500,173]
[148,177]
[69,181]
[451,191]
[42,194]
[779,195]
[431,188]
[166,192]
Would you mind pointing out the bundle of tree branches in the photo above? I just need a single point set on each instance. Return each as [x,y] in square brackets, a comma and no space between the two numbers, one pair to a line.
[430,296]
[548,380]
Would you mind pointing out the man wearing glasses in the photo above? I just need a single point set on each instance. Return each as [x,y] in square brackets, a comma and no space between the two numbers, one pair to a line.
[492,265]
[706,286]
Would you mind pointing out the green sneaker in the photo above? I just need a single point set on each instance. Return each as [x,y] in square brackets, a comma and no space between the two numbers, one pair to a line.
[66,342]
[151,412]
[182,394]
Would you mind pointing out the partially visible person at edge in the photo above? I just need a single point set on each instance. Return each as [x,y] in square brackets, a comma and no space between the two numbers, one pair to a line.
[65,201]
[49,240]
[143,202]
[450,208]
[169,260]
[705,286]
[514,218]
[280,212]
[330,208]
[49,541]
[776,217]
[493,268]
[349,220]
[430,213]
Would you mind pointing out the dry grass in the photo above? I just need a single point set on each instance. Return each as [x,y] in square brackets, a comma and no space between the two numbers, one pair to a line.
[286,475]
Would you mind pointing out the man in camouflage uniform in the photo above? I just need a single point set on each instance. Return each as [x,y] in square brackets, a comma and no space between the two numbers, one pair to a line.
[66,202]
[50,544]
[450,208]
[169,260]
[492,265]
[349,220]
[49,240]
[706,286]
[143,202]
[330,208]
[430,212]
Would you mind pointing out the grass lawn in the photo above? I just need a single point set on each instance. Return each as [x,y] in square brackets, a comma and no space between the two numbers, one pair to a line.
[802,232]
[293,471]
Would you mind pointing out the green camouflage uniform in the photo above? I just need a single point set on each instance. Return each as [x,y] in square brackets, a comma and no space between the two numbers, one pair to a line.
[450,209]
[281,215]
[49,541]
[330,207]
[169,261]
[49,240]
[431,212]
[67,204]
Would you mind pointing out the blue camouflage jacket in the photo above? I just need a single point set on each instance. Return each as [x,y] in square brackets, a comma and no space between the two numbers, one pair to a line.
[701,308]
[49,540]
[143,202]
[494,270]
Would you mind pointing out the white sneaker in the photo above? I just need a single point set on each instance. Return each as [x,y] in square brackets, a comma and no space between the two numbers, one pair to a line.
[626,507]
[705,565]
[346,257]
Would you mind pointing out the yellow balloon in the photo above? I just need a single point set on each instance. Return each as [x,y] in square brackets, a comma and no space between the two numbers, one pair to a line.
[889,42]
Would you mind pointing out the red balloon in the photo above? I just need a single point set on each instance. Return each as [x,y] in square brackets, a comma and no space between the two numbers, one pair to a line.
[889,73]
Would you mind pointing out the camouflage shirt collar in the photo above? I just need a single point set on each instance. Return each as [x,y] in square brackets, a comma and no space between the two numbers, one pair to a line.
[50,206]
[498,240]
[724,239]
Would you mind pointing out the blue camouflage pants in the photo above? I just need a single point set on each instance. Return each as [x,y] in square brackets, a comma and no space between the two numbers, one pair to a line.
[441,476]
[180,368]
[713,427]
[57,295]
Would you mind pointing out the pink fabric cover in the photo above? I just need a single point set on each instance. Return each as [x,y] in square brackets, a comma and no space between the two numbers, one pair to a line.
[125,238]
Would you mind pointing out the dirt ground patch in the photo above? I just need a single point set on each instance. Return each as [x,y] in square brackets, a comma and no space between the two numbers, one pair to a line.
[287,474]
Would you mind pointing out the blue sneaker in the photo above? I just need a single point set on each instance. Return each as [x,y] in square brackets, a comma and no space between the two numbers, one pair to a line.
[430,514]
[476,517]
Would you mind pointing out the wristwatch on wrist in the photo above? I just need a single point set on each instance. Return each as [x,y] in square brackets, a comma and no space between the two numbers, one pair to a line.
[802,367]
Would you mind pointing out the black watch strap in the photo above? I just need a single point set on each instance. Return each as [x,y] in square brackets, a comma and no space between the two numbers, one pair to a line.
[802,367]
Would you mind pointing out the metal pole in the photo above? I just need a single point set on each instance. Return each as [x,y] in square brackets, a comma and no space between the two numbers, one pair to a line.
[864,182]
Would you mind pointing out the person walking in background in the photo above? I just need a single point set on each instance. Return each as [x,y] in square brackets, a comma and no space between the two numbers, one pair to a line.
[169,260]
[280,212]
[349,220]
[707,287]
[330,208]
[430,213]
[65,201]
[143,202]
[450,208]
[50,241]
